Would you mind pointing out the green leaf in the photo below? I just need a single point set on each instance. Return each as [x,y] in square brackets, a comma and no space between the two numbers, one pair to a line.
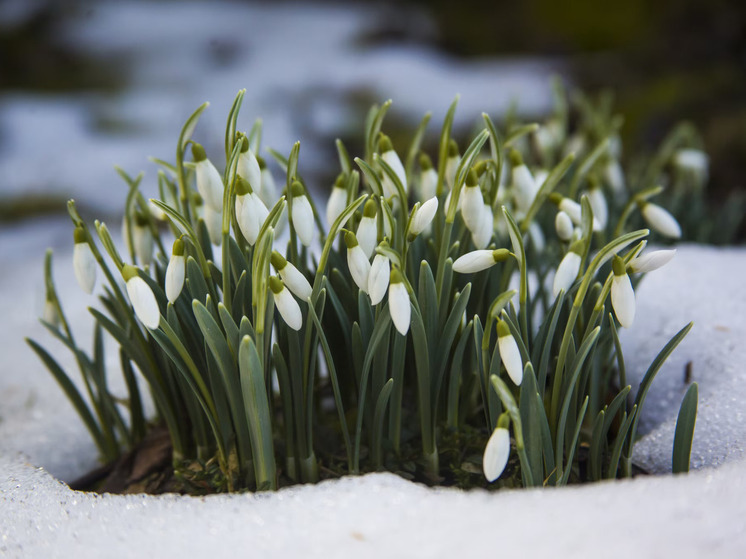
[381,403]
[682,442]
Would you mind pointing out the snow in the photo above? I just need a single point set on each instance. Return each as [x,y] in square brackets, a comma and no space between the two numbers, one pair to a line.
[381,515]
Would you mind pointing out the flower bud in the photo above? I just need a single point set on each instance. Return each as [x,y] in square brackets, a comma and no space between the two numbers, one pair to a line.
[142,298]
[337,200]
[286,304]
[209,182]
[651,261]
[392,159]
[367,229]
[399,305]
[622,294]
[509,352]
[563,225]
[452,163]
[248,166]
[428,178]
[660,220]
[301,215]
[423,217]
[175,272]
[84,263]
[378,279]
[479,260]
[291,276]
[472,202]
[357,262]
[568,269]
[497,451]
[214,223]
[482,236]
[524,186]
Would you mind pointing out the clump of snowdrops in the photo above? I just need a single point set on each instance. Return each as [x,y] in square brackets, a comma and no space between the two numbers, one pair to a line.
[451,316]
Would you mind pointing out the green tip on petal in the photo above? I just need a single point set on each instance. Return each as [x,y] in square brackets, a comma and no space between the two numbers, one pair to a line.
[396,276]
[242,186]
[351,240]
[197,199]
[556,198]
[425,162]
[482,167]
[384,144]
[296,189]
[515,158]
[500,254]
[370,209]
[502,329]
[340,181]
[244,144]
[128,272]
[275,284]
[471,178]
[452,148]
[503,422]
[178,248]
[198,152]
[278,260]
[79,235]
[262,162]
[140,219]
[618,265]
[578,247]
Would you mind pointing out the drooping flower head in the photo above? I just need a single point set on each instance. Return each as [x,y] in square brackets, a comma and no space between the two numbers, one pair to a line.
[569,267]
[399,305]
[472,202]
[286,304]
[660,219]
[209,182]
[367,229]
[479,260]
[422,217]
[175,272]
[142,298]
[291,276]
[428,178]
[509,352]
[622,294]
[337,200]
[248,166]
[357,262]
[84,263]
[392,160]
[301,215]
[497,451]
[524,185]
[452,163]
[378,279]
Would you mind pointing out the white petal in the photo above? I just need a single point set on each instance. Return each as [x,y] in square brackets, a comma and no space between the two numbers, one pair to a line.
[248,219]
[175,277]
[214,222]
[471,207]
[248,168]
[143,301]
[392,158]
[424,216]
[614,176]
[567,271]
[295,281]
[50,314]
[482,236]
[511,358]
[84,265]
[524,187]
[209,184]
[575,211]
[651,261]
[302,219]
[496,454]
[563,225]
[367,235]
[694,160]
[451,168]
[428,184]
[268,193]
[537,236]
[336,204]
[623,299]
[474,261]
[598,205]
[359,267]
[661,220]
[143,240]
[399,307]
[289,309]
[378,279]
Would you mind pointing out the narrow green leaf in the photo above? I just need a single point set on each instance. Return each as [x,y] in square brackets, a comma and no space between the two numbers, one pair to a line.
[684,435]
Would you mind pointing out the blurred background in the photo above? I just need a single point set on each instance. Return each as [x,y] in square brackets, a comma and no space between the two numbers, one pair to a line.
[85,85]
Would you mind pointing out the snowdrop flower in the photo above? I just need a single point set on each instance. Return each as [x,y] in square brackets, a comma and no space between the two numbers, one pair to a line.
[392,159]
[660,220]
[537,236]
[286,304]
[573,209]
[142,238]
[479,260]
[563,225]
[367,229]
[251,213]
[692,160]
[301,215]
[248,166]
[399,306]
[84,263]
[452,163]
[651,261]
[614,176]
[622,295]
[575,144]
[175,271]
[209,182]
[539,177]
[497,451]
[378,279]
[428,178]
[268,192]
[50,314]
[524,186]
[598,204]
[568,269]
[509,352]
[423,217]
[357,262]
[156,212]
[214,223]
[337,200]
[142,298]
[482,236]
[471,202]
[291,276]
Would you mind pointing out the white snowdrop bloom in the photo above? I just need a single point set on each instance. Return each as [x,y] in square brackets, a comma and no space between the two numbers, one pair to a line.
[143,240]
[615,146]
[175,271]
[428,178]
[392,159]
[509,352]
[423,217]
[537,236]
[614,176]
[660,220]
[209,182]
[286,304]
[573,209]
[482,236]
[378,279]
[357,262]
[291,276]
[563,225]
[545,139]
[142,298]
[568,269]
[496,453]
[575,144]
[84,263]
[478,260]
[399,305]
[214,223]
[651,261]
[251,213]
[452,163]
[598,204]
[337,200]
[472,202]
[301,215]
[524,185]
[50,314]
[248,166]
[622,294]
[156,212]
[692,160]
[268,193]
[367,229]
[539,177]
